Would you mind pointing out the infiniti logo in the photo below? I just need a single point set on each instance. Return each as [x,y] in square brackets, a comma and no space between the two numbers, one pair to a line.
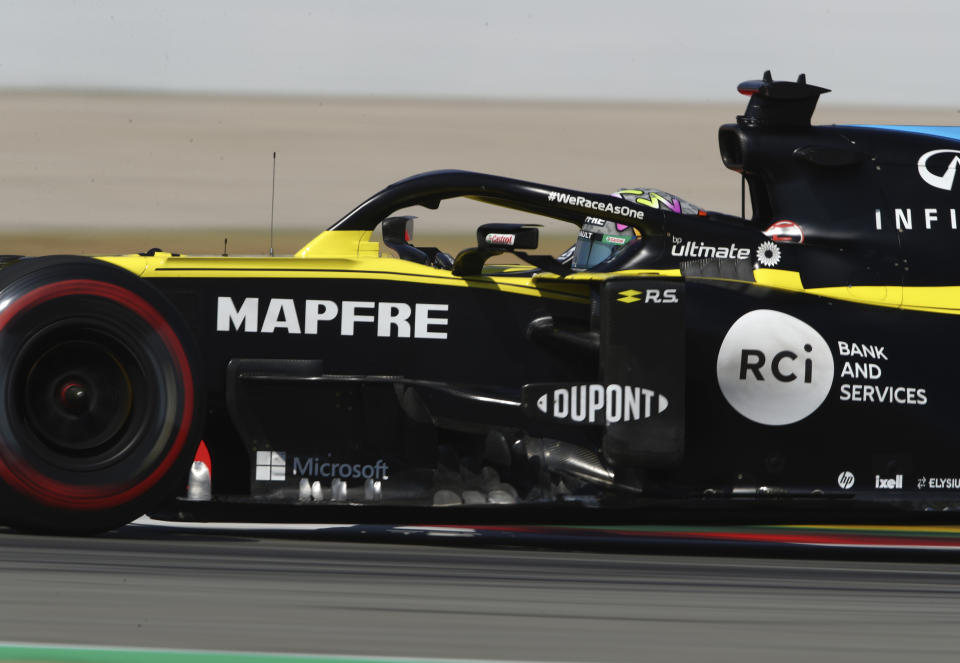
[944,181]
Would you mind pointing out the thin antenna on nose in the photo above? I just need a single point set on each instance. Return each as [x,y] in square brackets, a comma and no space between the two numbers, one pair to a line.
[273,198]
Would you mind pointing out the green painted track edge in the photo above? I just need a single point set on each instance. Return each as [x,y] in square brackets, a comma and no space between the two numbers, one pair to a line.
[83,654]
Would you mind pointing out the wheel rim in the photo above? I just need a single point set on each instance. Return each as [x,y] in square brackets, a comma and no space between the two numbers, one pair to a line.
[84,395]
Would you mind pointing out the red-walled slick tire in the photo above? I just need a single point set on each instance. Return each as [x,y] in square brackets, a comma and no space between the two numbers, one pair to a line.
[99,396]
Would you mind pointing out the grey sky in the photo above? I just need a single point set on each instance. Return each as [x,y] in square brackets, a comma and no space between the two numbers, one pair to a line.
[868,51]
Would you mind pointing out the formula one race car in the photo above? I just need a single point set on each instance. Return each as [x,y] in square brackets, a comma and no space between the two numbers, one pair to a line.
[672,357]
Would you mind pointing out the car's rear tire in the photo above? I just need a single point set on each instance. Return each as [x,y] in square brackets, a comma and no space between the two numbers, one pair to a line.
[100,402]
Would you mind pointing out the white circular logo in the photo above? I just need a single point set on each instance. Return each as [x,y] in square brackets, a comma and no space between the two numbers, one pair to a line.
[846,480]
[768,254]
[773,368]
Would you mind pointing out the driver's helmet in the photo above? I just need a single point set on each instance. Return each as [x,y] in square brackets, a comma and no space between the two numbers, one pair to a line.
[601,240]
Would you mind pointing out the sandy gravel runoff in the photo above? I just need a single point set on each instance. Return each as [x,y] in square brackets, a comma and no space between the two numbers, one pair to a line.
[164,166]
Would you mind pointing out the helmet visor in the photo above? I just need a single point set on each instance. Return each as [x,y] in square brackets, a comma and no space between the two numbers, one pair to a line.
[592,248]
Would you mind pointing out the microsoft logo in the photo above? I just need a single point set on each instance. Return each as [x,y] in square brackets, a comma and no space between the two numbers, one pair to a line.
[271,466]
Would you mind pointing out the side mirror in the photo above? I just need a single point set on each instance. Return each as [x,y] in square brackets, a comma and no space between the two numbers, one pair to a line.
[492,240]
[397,230]
[397,233]
[502,237]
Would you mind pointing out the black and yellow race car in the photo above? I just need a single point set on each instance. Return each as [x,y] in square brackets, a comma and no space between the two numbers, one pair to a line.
[673,357]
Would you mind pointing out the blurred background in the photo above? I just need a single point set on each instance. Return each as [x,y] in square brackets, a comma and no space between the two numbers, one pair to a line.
[126,125]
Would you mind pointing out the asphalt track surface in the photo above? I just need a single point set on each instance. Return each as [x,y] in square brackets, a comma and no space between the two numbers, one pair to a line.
[149,586]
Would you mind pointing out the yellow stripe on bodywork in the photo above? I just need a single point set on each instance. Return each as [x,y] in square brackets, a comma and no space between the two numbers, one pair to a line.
[876,295]
[778,278]
[340,254]
[346,243]
[624,274]
[943,299]
[932,299]
[377,269]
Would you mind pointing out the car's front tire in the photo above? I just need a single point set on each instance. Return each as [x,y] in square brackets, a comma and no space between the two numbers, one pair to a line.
[99,399]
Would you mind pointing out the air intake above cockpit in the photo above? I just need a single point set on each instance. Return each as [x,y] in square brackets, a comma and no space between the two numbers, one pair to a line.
[779,104]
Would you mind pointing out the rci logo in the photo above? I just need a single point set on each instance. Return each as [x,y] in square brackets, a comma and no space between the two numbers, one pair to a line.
[773,368]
